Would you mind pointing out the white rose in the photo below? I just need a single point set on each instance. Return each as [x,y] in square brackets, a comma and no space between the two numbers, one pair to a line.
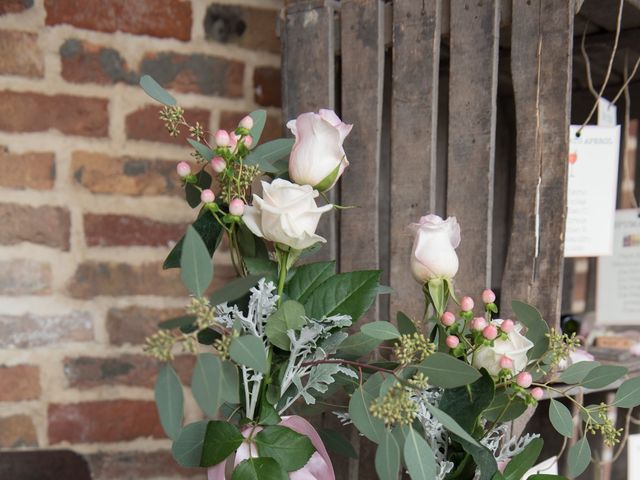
[515,347]
[287,214]
[317,157]
[433,254]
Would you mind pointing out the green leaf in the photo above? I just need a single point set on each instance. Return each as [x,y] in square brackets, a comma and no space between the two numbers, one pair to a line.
[446,371]
[209,230]
[504,407]
[259,119]
[405,324]
[387,461]
[196,268]
[170,401]
[178,322]
[546,476]
[187,448]
[604,375]
[290,316]
[155,91]
[221,440]
[261,468]
[266,154]
[290,449]
[206,383]
[522,462]
[249,351]
[537,328]
[380,330]
[349,293]
[579,457]
[234,289]
[307,279]
[268,414]
[261,266]
[337,443]
[192,193]
[418,457]
[628,395]
[466,403]
[230,383]
[451,425]
[576,372]
[438,294]
[358,345]
[560,418]
[203,150]
[370,427]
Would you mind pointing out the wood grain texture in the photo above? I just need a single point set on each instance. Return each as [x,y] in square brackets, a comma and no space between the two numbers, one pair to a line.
[473,85]
[414,115]
[541,67]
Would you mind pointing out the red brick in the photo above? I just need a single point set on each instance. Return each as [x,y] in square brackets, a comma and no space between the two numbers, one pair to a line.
[272,128]
[69,114]
[35,170]
[101,173]
[24,277]
[19,382]
[134,465]
[30,330]
[17,431]
[195,73]
[103,421]
[145,124]
[158,18]
[20,54]
[132,325]
[14,6]
[45,225]
[266,86]
[85,62]
[126,230]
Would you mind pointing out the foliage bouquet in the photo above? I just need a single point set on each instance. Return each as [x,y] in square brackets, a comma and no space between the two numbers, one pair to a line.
[436,395]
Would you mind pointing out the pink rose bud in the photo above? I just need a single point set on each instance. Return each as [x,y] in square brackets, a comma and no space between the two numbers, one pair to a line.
[207,196]
[248,141]
[183,169]
[452,341]
[236,207]
[488,296]
[466,304]
[524,379]
[478,323]
[490,332]
[222,138]
[507,326]
[218,164]
[537,393]
[246,122]
[506,362]
[448,319]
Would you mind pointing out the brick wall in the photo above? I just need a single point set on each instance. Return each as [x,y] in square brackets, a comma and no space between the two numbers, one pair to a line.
[90,203]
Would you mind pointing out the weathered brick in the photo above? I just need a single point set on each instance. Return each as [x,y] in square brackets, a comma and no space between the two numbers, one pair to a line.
[267,87]
[158,18]
[195,73]
[131,370]
[145,124]
[103,421]
[30,330]
[248,27]
[45,225]
[19,382]
[101,173]
[17,431]
[85,62]
[20,54]
[131,325]
[110,230]
[272,129]
[134,465]
[35,170]
[14,6]
[69,114]
[24,277]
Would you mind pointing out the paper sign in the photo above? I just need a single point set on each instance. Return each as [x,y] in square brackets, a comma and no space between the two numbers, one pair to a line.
[633,456]
[549,467]
[618,286]
[607,113]
[591,191]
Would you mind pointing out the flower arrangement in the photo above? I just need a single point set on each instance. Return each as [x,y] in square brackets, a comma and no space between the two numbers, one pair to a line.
[438,405]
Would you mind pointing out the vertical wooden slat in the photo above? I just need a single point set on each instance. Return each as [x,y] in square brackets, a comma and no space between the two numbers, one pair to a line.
[473,81]
[541,48]
[308,76]
[414,115]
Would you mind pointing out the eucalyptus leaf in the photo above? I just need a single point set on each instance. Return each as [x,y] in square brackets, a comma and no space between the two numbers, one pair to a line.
[505,407]
[604,375]
[522,462]
[221,440]
[628,395]
[187,448]
[446,371]
[560,418]
[380,330]
[207,383]
[370,427]
[178,322]
[405,324]
[230,383]
[358,345]
[249,351]
[169,401]
[264,156]
[290,449]
[466,403]
[576,372]
[234,289]
[387,460]
[209,230]
[418,457]
[337,443]
[260,468]
[259,119]
[307,279]
[290,316]
[203,150]
[155,91]
[537,328]
[451,425]
[579,457]
[196,268]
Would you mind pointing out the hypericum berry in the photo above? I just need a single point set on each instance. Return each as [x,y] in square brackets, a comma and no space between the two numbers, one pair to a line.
[466,304]
[452,341]
[233,140]
[248,141]
[506,362]
[537,393]
[183,169]
[207,196]
[218,164]
[246,122]
[524,379]
[490,332]
[478,323]
[222,138]
[236,207]
[507,326]
[448,319]
[488,296]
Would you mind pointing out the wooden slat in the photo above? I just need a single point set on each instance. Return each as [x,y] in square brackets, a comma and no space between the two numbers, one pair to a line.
[308,76]
[414,114]
[541,68]
[472,130]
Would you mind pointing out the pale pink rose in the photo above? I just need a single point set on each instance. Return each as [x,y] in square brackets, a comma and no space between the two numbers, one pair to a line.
[433,254]
[515,346]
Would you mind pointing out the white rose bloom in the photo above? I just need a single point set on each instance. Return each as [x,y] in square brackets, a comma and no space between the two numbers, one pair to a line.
[433,254]
[288,214]
[514,347]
